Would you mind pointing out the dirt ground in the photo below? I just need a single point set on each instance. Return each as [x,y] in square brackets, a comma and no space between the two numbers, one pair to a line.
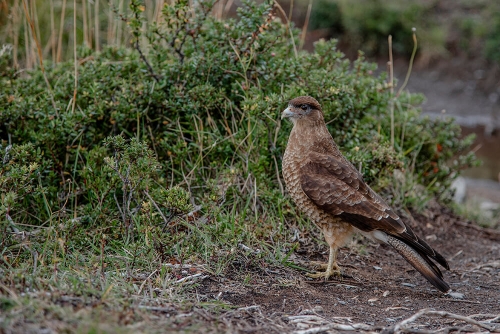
[379,289]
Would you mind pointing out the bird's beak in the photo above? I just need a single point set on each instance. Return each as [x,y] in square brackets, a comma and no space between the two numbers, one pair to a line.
[287,113]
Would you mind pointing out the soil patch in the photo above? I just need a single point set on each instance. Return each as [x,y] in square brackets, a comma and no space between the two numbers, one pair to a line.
[380,289]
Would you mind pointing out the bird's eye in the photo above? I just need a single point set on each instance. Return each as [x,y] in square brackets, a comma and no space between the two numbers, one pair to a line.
[304,107]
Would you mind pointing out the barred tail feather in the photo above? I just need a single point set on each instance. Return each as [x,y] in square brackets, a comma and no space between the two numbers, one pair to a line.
[420,262]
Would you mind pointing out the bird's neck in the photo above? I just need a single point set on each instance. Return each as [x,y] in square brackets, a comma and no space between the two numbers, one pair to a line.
[313,138]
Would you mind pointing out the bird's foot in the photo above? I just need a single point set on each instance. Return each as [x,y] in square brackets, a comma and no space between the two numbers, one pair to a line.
[319,265]
[329,272]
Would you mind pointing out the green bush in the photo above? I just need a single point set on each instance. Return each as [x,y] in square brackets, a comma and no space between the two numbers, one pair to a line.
[188,120]
[366,24]
[469,29]
[492,47]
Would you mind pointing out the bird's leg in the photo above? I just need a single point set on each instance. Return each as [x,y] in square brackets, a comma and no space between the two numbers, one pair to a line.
[332,268]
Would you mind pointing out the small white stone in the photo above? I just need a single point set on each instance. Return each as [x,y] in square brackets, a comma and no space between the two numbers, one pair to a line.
[456,295]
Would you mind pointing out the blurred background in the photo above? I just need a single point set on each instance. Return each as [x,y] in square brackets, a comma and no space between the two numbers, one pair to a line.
[457,63]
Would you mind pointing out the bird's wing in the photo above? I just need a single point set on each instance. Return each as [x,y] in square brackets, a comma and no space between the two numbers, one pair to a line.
[338,188]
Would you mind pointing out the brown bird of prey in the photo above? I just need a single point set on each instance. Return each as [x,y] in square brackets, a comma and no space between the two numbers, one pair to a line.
[332,193]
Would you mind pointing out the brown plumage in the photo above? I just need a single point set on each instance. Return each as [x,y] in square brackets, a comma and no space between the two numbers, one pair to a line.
[332,193]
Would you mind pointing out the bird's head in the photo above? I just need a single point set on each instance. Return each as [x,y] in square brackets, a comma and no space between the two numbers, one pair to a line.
[303,110]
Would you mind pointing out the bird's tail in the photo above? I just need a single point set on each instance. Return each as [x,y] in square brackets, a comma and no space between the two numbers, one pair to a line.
[421,262]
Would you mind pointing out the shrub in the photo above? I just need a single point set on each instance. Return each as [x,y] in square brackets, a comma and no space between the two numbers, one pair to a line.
[188,120]
[366,24]
[468,29]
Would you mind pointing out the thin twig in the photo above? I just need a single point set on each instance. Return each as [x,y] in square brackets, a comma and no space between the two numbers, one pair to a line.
[182,266]
[61,30]
[167,221]
[461,301]
[282,190]
[34,253]
[288,27]
[400,326]
[144,282]
[340,327]
[75,59]
[325,325]
[150,68]
[410,66]
[15,32]
[479,228]
[96,25]
[40,55]
[249,308]
[391,85]
[85,25]
[157,309]
[492,264]
[191,278]
[306,24]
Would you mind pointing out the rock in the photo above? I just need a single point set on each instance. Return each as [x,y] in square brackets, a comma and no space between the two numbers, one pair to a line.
[456,295]
[460,187]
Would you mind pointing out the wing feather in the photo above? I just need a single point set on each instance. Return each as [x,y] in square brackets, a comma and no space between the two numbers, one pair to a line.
[337,187]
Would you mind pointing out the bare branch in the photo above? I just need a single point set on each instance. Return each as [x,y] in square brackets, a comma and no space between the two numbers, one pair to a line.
[34,253]
[148,65]
[399,327]
[167,221]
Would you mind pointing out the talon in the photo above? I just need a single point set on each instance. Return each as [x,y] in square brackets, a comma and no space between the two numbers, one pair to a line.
[332,268]
[334,271]
[319,265]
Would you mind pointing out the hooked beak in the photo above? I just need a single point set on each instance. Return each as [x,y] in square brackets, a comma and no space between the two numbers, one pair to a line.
[287,113]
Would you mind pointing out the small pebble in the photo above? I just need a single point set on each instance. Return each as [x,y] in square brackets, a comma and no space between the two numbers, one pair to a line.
[377,268]
[456,295]
[409,284]
[318,309]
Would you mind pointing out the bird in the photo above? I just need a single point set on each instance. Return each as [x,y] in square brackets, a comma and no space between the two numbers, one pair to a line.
[329,190]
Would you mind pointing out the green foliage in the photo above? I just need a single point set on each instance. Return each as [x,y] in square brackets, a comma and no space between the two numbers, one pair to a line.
[17,176]
[366,24]
[475,30]
[326,14]
[188,121]
[492,47]
[469,28]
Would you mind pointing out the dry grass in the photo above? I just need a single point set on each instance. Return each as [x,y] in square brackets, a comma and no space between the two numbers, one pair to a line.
[61,26]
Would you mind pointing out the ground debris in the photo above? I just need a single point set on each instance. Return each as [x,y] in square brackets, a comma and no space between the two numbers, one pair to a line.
[260,297]
[310,324]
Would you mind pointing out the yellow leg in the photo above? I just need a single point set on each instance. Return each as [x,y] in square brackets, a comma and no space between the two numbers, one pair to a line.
[332,268]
